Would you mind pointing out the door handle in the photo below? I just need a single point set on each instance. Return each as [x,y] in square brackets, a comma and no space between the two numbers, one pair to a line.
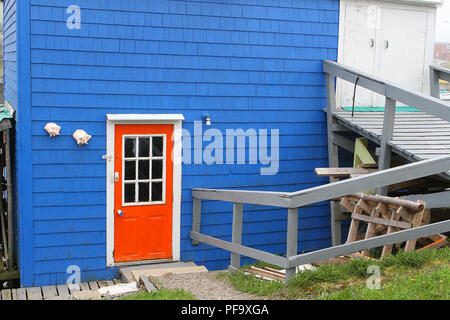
[372,43]
[120,212]
[116,177]
[386,44]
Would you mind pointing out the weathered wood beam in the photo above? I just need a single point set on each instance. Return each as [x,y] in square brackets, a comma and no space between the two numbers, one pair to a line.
[396,224]
[377,179]
[292,238]
[341,172]
[343,142]
[384,161]
[378,241]
[236,234]
[333,190]
[242,250]
[196,216]
[412,206]
[276,199]
[333,155]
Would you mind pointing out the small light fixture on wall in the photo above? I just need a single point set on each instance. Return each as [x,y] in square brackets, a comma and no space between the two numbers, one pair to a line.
[207,119]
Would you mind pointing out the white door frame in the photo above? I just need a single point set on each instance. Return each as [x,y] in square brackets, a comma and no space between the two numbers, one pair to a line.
[111,121]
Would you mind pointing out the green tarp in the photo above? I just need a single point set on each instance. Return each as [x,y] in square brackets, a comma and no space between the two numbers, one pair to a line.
[6,111]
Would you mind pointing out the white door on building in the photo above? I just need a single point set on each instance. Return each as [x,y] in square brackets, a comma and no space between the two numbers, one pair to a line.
[400,54]
[358,52]
[389,40]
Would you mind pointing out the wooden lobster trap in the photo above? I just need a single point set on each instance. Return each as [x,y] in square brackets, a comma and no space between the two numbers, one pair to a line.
[385,215]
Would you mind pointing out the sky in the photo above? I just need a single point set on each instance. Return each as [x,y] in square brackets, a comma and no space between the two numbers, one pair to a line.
[443,22]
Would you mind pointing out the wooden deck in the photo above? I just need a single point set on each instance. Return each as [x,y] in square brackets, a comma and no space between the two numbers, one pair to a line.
[58,292]
[417,135]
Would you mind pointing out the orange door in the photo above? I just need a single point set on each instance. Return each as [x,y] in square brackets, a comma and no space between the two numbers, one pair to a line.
[143,171]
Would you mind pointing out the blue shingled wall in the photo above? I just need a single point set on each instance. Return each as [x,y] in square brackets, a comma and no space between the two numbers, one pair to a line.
[250,64]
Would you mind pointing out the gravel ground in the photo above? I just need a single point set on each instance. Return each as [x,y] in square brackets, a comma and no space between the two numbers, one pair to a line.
[204,286]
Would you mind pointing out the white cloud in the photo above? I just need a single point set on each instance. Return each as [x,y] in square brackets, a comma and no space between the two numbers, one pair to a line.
[443,22]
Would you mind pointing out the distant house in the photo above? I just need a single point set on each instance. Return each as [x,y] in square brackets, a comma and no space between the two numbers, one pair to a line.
[442,51]
[133,75]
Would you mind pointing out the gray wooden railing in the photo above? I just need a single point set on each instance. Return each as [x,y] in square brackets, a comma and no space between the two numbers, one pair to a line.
[437,73]
[292,201]
[335,189]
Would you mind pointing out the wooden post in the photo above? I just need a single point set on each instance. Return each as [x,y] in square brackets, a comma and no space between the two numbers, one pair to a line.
[236,236]
[384,161]
[416,222]
[434,83]
[196,216]
[333,158]
[370,232]
[394,217]
[292,238]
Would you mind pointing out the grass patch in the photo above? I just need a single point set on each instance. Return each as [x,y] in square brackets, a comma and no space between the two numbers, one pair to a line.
[432,285]
[348,281]
[163,294]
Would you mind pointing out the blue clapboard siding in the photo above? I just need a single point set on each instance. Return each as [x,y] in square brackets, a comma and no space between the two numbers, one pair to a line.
[250,64]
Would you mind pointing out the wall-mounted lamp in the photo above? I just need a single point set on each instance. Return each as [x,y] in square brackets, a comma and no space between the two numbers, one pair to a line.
[207,119]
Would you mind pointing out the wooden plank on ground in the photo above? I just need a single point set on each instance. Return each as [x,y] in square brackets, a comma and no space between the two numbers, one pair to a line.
[49,292]
[84,286]
[63,290]
[163,271]
[148,285]
[73,287]
[109,283]
[34,293]
[6,294]
[14,294]
[117,281]
[102,284]
[93,285]
[21,294]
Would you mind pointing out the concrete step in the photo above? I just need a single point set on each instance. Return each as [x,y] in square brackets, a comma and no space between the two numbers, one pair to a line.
[126,272]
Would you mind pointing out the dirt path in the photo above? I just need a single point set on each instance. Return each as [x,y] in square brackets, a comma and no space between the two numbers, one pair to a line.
[204,286]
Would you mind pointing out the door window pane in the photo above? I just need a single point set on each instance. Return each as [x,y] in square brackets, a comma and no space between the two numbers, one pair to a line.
[144,169]
[130,192]
[144,147]
[156,191]
[157,146]
[130,147]
[157,169]
[144,192]
[130,170]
